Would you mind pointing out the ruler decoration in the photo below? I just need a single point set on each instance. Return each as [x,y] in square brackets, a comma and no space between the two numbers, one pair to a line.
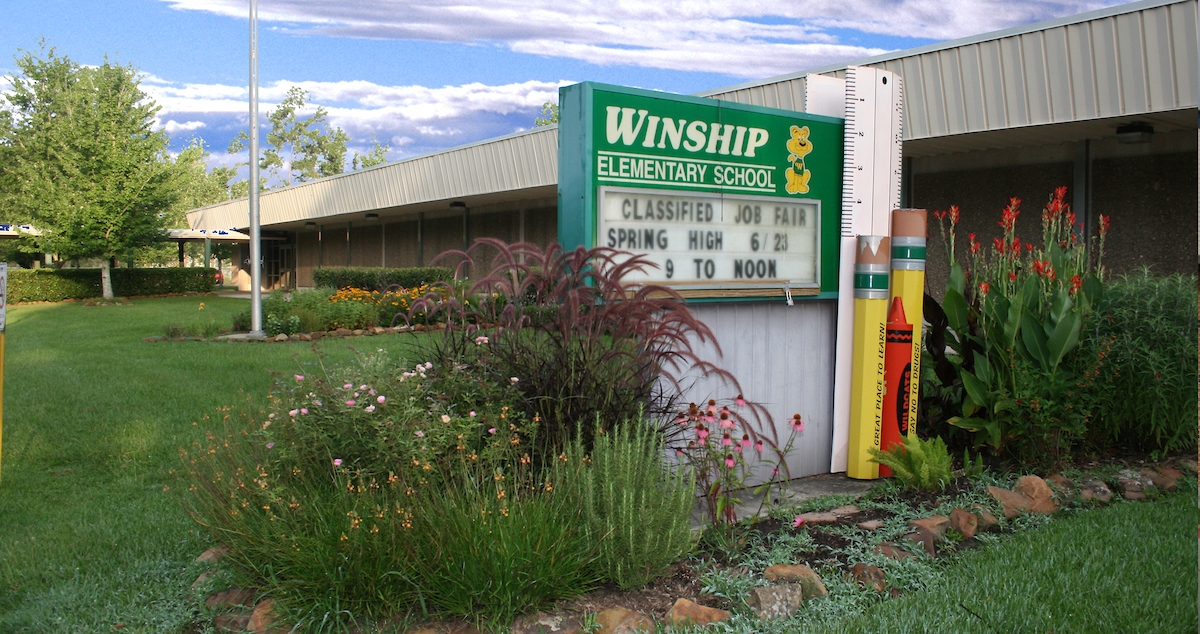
[874,108]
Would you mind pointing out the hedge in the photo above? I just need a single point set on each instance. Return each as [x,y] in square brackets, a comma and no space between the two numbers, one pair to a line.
[54,285]
[377,278]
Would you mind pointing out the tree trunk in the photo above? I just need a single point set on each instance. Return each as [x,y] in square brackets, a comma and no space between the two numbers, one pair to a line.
[106,279]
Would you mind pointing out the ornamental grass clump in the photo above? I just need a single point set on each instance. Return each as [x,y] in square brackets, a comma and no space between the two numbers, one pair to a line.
[575,334]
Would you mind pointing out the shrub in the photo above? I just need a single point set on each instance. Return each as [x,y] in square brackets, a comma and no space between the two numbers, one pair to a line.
[359,481]
[54,285]
[1149,400]
[241,322]
[636,510]
[378,279]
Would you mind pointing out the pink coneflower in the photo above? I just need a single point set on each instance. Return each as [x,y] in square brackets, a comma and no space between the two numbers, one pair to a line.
[797,423]
[492,430]
[798,522]
[701,432]
[729,461]
[739,401]
[299,378]
[350,403]
[337,462]
[746,440]
[303,410]
[758,446]
[726,440]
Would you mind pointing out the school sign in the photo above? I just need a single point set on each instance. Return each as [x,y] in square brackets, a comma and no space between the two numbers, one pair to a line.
[728,200]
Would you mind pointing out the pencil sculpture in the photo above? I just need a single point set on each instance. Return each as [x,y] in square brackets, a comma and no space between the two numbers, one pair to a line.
[867,385]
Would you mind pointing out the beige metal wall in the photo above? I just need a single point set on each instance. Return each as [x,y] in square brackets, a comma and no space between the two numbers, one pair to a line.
[1121,61]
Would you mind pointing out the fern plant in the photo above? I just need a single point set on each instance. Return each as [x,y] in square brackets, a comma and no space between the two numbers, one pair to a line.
[921,464]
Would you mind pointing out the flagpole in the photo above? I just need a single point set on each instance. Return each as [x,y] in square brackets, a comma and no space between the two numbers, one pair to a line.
[256,321]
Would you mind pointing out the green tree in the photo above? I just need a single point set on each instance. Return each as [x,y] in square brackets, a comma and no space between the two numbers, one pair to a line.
[376,156]
[312,149]
[80,160]
[549,115]
[195,186]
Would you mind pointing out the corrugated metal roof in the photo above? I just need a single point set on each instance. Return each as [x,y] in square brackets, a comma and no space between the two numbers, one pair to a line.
[1135,59]
[516,162]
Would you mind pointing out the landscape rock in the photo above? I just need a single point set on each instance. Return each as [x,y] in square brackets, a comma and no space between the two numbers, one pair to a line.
[621,621]
[964,522]
[232,622]
[801,574]
[304,337]
[776,602]
[1012,502]
[212,554]
[1040,495]
[1133,484]
[987,521]
[685,611]
[1164,478]
[1061,485]
[262,617]
[868,576]
[1093,489]
[230,598]
[204,576]
[542,623]
[935,524]
[818,517]
[870,525]
[279,337]
[892,551]
[843,511]
[1188,464]
[925,539]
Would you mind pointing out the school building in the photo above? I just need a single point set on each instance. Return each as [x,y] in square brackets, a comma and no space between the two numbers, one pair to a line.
[1104,103]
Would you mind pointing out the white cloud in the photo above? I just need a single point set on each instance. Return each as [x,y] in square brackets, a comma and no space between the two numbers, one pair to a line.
[173,126]
[750,38]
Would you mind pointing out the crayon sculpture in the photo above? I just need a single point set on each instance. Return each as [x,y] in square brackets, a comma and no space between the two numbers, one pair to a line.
[867,364]
[897,369]
[908,284]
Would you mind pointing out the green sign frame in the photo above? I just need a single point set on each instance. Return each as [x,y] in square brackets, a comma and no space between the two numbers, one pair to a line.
[753,193]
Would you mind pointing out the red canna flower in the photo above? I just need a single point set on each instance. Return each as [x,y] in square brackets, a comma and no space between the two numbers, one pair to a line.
[984,287]
[953,215]
[1076,284]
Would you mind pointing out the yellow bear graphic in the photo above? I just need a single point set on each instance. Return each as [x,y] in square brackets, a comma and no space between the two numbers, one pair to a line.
[799,146]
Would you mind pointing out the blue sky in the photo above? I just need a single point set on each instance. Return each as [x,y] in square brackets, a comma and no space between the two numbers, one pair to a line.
[439,73]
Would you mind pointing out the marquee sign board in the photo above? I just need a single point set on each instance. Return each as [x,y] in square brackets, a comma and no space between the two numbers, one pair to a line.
[726,199]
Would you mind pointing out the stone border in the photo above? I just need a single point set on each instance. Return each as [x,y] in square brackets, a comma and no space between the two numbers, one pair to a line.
[340,333]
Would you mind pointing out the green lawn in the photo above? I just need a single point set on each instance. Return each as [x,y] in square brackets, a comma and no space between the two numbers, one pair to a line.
[93,420]
[1127,568]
